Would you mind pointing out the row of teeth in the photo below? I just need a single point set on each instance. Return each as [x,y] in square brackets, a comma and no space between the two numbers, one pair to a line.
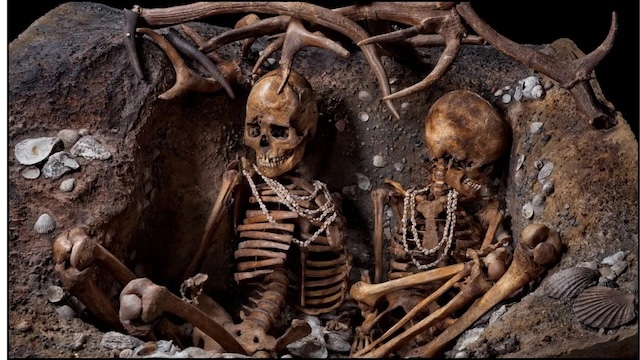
[472,184]
[273,162]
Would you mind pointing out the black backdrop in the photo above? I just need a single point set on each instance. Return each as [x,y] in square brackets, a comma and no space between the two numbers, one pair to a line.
[528,22]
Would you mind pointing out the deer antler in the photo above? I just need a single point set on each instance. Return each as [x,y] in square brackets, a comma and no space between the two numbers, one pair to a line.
[573,75]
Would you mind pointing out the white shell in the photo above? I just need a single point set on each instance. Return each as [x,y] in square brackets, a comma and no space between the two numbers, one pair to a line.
[363,182]
[527,211]
[546,170]
[363,116]
[520,162]
[364,95]
[535,127]
[44,224]
[379,161]
[90,148]
[59,164]
[68,185]
[31,172]
[68,137]
[549,187]
[34,151]
[603,307]
[55,293]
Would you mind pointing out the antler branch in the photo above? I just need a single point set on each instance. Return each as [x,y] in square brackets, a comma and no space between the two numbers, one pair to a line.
[572,75]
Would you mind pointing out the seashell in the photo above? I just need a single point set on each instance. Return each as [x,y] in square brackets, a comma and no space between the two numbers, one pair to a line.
[379,161]
[59,164]
[363,116]
[34,151]
[603,307]
[527,211]
[363,182]
[31,172]
[506,98]
[549,187]
[68,137]
[610,260]
[405,105]
[545,171]
[570,282]
[68,185]
[535,127]
[364,95]
[90,148]
[520,162]
[65,311]
[23,326]
[55,293]
[603,281]
[45,224]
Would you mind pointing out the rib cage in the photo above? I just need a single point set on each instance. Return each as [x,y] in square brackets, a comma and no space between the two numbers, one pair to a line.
[465,236]
[318,273]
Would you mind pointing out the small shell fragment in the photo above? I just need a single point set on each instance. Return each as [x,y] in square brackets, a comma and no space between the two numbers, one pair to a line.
[90,148]
[363,116]
[364,95]
[55,293]
[527,211]
[34,151]
[610,260]
[68,137]
[45,224]
[31,172]
[363,182]
[59,164]
[545,171]
[603,307]
[68,185]
[549,187]
[521,159]
[535,127]
[570,282]
[379,161]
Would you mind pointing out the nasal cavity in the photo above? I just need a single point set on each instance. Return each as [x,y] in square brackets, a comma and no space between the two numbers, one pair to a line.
[263,141]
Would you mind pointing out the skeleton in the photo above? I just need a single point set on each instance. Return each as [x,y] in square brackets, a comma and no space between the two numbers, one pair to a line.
[291,239]
[466,135]
[421,24]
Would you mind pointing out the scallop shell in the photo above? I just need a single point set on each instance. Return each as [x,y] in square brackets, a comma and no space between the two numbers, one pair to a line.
[569,283]
[34,151]
[602,307]
[31,172]
[44,224]
[90,148]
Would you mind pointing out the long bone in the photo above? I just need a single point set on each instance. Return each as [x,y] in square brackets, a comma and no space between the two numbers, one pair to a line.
[573,75]
[74,253]
[370,293]
[527,265]
[379,198]
[143,300]
[475,286]
[230,180]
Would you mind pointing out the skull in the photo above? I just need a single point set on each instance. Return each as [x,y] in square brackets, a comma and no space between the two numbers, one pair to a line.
[466,134]
[279,125]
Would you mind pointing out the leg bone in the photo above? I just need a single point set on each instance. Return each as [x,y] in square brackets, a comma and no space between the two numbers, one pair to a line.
[522,270]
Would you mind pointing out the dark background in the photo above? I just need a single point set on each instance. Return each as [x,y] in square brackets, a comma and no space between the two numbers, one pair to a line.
[528,22]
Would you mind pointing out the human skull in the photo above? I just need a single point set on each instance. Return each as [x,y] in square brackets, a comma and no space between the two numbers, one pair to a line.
[279,125]
[465,132]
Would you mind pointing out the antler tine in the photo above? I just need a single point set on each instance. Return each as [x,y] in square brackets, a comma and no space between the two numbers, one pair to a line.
[402,33]
[199,40]
[258,28]
[187,49]
[308,12]
[186,80]
[298,37]
[267,51]
[130,20]
[247,20]
[571,75]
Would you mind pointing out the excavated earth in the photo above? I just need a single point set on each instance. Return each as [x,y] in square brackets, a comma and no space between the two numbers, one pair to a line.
[149,202]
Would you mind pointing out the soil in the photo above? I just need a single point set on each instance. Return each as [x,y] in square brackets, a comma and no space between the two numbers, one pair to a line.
[149,202]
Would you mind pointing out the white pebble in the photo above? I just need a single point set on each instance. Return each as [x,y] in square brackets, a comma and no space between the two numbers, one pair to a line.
[506,98]
[535,127]
[379,161]
[364,95]
[363,116]
[498,93]
[610,260]
[68,185]
[363,182]
[398,166]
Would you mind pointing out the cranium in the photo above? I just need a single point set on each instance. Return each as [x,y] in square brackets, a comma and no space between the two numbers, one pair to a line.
[279,125]
[466,132]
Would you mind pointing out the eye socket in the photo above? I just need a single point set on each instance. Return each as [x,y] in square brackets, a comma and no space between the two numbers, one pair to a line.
[279,131]
[253,129]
